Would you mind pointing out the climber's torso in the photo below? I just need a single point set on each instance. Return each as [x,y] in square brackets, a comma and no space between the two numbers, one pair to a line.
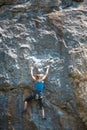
[39,85]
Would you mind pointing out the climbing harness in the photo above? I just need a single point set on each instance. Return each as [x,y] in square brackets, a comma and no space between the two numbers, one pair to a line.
[38,95]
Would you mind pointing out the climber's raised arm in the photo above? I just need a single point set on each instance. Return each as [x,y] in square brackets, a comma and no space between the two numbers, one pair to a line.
[31,73]
[47,70]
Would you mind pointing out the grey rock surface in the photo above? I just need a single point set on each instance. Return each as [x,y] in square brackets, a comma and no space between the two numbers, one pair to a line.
[41,33]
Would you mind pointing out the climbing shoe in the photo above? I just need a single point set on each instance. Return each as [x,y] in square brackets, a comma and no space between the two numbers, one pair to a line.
[25,110]
[44,118]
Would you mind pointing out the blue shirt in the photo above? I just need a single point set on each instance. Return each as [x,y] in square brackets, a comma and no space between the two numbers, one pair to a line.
[39,85]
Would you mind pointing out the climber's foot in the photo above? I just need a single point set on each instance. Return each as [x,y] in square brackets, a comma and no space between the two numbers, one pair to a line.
[44,118]
[24,111]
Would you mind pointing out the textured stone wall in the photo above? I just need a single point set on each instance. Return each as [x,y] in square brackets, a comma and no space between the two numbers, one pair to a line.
[41,33]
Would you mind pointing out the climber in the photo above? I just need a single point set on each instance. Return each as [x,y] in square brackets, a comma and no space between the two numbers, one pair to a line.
[38,91]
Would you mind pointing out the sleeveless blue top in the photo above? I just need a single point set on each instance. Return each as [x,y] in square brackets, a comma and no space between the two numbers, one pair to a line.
[39,85]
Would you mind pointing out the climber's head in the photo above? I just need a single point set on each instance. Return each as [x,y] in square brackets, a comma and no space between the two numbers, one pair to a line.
[38,76]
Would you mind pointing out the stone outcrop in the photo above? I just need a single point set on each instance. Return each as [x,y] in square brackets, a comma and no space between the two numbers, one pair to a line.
[41,33]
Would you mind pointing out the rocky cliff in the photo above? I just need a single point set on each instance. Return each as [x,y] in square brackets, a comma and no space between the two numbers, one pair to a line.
[40,33]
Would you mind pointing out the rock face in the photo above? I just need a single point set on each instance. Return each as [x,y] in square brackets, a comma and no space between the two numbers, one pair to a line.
[41,33]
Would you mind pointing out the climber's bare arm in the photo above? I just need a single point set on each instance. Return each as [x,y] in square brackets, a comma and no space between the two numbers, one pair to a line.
[47,71]
[31,73]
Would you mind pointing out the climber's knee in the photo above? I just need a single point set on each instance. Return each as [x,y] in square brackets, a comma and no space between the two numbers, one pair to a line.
[41,106]
[30,97]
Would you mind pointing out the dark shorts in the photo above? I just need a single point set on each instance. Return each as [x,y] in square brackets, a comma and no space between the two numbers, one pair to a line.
[36,95]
